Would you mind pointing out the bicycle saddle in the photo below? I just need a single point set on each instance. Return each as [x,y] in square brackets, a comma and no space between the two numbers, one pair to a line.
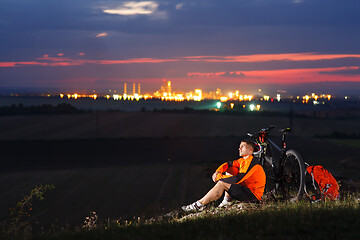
[286,130]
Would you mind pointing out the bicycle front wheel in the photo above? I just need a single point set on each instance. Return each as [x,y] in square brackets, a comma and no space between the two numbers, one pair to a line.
[293,176]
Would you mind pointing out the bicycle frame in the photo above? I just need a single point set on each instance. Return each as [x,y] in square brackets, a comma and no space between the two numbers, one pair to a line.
[277,163]
[288,178]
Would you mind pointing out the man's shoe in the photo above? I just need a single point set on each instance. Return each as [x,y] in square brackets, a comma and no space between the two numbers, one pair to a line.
[224,203]
[194,207]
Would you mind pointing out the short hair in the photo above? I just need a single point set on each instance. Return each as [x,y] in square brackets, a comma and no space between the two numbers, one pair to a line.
[249,142]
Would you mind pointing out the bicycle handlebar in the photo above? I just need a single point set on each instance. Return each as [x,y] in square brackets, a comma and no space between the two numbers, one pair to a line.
[262,131]
[267,129]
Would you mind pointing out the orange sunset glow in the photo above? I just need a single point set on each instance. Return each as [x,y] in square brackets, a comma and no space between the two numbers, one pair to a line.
[286,76]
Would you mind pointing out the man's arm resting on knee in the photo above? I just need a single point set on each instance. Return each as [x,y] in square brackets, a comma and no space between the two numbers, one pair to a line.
[222,169]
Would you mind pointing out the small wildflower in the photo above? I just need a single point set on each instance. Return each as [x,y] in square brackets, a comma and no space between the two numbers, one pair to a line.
[90,222]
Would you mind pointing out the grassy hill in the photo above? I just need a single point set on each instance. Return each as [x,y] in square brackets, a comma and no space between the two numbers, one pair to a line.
[272,220]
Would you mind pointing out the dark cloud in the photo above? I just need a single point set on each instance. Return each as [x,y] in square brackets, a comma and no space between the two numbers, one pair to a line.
[89,15]
[199,27]
[268,13]
[233,75]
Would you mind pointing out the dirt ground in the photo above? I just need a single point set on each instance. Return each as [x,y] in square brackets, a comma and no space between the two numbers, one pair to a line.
[131,175]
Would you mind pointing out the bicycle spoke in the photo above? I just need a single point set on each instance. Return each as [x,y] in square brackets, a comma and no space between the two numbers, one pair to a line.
[292,183]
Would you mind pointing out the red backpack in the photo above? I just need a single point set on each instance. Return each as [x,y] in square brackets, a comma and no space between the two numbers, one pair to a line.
[323,182]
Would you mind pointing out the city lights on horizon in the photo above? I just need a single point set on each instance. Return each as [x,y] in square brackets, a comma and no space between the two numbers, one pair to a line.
[166,93]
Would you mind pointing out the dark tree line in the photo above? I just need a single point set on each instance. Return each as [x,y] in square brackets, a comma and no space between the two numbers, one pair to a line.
[20,109]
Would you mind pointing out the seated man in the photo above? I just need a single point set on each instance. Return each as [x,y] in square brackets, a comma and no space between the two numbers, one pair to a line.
[246,181]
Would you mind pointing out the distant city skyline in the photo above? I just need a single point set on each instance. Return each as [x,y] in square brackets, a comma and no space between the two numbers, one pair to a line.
[128,88]
[297,46]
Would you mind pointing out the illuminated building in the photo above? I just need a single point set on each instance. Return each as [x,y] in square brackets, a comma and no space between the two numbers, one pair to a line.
[134,88]
[125,92]
[165,91]
[218,93]
[248,97]
[179,97]
[198,96]
[169,87]
[306,98]
[223,99]
[146,96]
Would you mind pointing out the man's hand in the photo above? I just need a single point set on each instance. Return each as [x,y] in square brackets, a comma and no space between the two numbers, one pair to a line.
[215,175]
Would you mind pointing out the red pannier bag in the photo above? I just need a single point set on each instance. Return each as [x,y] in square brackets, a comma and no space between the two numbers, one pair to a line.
[325,185]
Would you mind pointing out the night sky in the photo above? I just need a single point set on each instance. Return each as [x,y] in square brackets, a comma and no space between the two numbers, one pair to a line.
[289,45]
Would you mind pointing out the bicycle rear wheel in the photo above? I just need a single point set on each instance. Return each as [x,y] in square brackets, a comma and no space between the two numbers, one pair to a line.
[293,176]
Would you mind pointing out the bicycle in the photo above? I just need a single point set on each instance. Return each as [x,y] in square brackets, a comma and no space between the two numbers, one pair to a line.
[287,171]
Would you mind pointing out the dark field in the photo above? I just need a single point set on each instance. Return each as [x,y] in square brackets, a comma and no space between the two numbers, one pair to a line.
[131,164]
[110,125]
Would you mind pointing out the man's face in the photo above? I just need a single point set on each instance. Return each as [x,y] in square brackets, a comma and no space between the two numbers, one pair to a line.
[245,149]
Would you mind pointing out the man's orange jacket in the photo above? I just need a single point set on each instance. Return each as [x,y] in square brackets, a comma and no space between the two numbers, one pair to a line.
[247,172]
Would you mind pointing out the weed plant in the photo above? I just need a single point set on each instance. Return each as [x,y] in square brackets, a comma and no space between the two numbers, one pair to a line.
[19,224]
